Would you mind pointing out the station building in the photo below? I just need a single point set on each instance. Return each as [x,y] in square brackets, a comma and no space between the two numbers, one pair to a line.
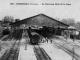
[41,21]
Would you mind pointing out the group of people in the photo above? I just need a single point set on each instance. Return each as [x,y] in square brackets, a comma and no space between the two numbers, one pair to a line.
[46,40]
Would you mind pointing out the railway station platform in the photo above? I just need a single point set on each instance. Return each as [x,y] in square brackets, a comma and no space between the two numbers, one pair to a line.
[27,54]
[26,51]
[54,52]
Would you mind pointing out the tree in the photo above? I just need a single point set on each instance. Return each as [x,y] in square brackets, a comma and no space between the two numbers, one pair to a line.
[16,20]
[77,25]
[7,20]
[0,22]
[69,21]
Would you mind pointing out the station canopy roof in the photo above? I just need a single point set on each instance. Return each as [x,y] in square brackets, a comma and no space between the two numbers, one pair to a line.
[40,20]
[72,28]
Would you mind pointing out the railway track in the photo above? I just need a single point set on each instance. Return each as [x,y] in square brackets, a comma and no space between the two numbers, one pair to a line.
[70,52]
[67,50]
[6,38]
[12,53]
[40,53]
[65,41]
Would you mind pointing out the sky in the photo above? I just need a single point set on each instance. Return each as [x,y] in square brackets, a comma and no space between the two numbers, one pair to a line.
[26,8]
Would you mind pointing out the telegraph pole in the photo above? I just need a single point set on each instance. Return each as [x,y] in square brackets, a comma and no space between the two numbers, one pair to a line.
[73,46]
[26,39]
[73,50]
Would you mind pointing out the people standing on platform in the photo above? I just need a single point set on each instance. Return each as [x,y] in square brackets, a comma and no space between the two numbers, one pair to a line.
[47,39]
[51,40]
[43,40]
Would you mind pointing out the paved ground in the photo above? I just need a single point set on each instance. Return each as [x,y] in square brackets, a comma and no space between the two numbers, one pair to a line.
[26,51]
[52,50]
[56,53]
